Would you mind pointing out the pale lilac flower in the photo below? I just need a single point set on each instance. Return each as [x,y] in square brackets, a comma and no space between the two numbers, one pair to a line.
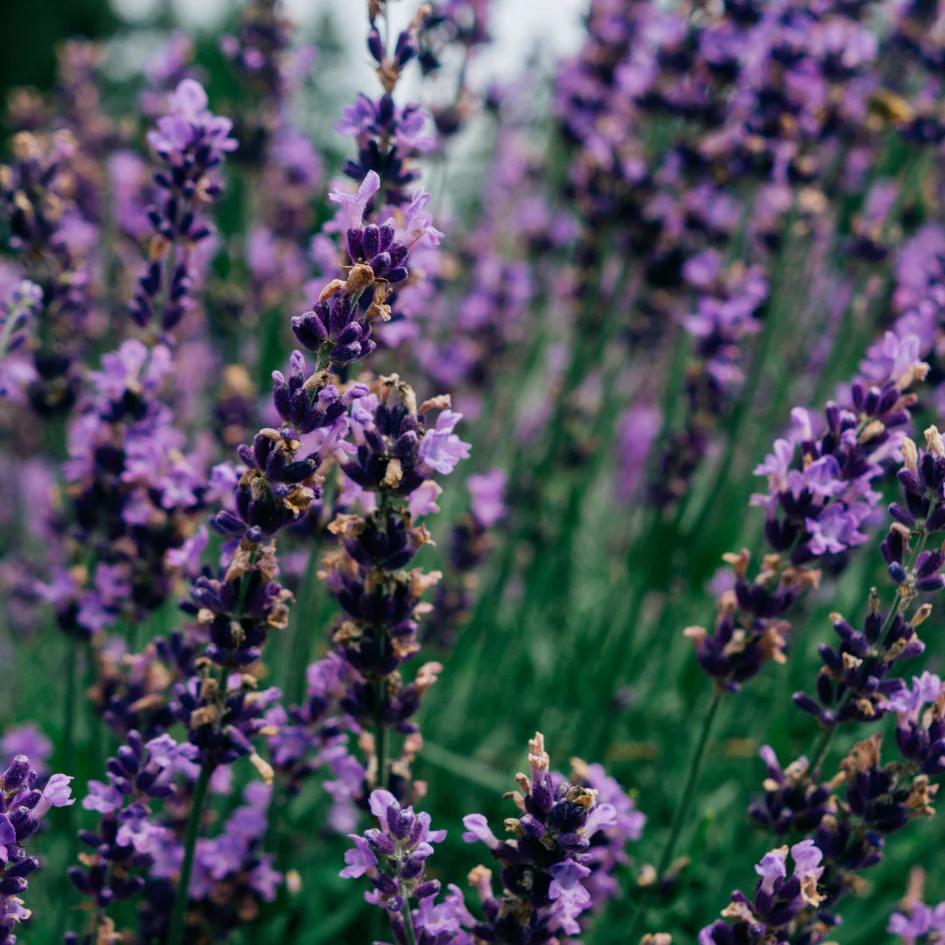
[56,793]
[477,828]
[440,448]
[359,860]
[422,501]
[920,921]
[487,496]
[354,205]
[568,894]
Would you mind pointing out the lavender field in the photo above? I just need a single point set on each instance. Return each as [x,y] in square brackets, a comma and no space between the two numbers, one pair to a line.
[472,482]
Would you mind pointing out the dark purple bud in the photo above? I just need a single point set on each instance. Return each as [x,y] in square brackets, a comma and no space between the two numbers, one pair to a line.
[376,46]
[17,774]
[806,704]
[309,330]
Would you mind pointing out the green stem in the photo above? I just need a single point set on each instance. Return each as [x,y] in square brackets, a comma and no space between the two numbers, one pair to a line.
[176,933]
[823,743]
[68,709]
[409,931]
[380,734]
[685,802]
[692,778]
[67,755]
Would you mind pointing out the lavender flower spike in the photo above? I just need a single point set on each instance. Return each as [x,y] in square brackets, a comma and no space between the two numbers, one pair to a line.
[552,866]
[779,899]
[23,804]
[393,856]
[190,143]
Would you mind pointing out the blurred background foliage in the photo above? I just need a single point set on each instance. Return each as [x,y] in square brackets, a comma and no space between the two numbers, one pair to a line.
[30,31]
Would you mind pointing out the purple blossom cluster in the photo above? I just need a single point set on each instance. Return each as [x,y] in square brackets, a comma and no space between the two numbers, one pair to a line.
[25,799]
[19,311]
[285,165]
[276,250]
[233,879]
[205,678]
[470,543]
[260,54]
[854,683]
[189,144]
[49,232]
[780,898]
[315,736]
[403,841]
[135,496]
[850,816]
[820,512]
[819,502]
[138,845]
[127,841]
[726,315]
[567,841]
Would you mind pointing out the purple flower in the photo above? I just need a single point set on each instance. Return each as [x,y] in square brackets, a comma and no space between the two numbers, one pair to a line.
[137,830]
[138,503]
[56,793]
[487,492]
[422,500]
[477,829]
[418,223]
[51,233]
[188,123]
[440,448]
[565,847]
[16,314]
[447,920]
[835,530]
[26,739]
[569,896]
[920,731]
[22,806]
[402,844]
[190,143]
[920,921]
[637,430]
[102,798]
[354,205]
[358,860]
[232,860]
[779,898]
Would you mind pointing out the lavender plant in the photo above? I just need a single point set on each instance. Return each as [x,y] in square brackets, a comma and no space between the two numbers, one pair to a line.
[357,424]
